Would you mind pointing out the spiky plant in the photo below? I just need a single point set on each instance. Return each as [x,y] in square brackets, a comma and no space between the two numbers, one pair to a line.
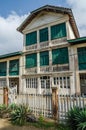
[80,118]
[18,116]
[72,123]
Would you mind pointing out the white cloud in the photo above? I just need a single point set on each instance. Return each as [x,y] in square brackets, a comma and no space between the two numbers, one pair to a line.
[79,10]
[10,39]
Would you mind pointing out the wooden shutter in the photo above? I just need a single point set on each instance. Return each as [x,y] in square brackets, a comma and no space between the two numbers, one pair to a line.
[31,60]
[58,31]
[3,68]
[14,67]
[31,38]
[43,33]
[44,58]
[60,56]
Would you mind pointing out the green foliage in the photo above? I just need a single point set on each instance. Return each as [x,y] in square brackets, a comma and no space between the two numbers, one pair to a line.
[3,110]
[77,118]
[18,116]
[12,107]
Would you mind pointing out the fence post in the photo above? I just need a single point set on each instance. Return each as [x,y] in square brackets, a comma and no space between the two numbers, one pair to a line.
[54,103]
[5,96]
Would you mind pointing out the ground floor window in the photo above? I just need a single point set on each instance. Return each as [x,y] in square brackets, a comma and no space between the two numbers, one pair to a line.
[31,83]
[45,82]
[62,82]
[2,82]
[83,83]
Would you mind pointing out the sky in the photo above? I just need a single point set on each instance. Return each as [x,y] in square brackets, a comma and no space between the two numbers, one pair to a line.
[14,12]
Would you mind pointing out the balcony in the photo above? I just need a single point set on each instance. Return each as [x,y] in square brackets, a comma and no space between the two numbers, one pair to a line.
[46,44]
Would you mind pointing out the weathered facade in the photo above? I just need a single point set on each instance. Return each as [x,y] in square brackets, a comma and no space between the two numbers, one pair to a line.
[53,54]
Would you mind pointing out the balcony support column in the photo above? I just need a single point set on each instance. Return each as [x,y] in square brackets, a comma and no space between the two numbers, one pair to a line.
[50,60]
[38,62]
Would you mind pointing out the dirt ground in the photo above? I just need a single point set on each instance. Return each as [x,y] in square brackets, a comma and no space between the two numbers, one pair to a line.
[6,125]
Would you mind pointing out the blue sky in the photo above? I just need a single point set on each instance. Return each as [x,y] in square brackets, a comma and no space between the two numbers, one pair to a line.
[25,6]
[14,12]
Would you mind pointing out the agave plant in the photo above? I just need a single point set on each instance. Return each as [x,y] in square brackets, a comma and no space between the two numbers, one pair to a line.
[77,118]
[71,118]
[81,120]
[18,116]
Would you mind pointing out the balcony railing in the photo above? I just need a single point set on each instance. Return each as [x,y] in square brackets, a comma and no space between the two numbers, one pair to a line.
[31,47]
[59,41]
[43,45]
[31,70]
[45,69]
[64,67]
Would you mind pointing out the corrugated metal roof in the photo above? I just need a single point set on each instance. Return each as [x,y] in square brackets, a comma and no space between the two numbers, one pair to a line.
[10,55]
[77,40]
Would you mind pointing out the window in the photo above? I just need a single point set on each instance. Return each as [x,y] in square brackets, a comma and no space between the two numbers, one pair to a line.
[3,83]
[63,82]
[82,58]
[31,82]
[44,58]
[3,68]
[31,38]
[83,83]
[43,33]
[60,56]
[14,67]
[45,82]
[58,31]
[31,60]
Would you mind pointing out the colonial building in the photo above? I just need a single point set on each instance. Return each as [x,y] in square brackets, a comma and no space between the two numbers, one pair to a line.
[53,55]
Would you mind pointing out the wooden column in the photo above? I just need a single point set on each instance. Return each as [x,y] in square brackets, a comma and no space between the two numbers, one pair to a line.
[54,103]
[5,96]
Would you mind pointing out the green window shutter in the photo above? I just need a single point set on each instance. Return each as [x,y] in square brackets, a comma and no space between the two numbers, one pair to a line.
[58,31]
[31,60]
[44,58]
[43,34]
[31,38]
[3,68]
[82,58]
[60,56]
[14,67]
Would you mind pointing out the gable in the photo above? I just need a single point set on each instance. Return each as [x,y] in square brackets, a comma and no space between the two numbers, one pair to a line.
[43,19]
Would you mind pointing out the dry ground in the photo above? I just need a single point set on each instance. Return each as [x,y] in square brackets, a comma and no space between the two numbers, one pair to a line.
[5,125]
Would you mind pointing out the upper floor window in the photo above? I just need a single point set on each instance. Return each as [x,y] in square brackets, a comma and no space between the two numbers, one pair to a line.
[31,38]
[44,58]
[82,58]
[31,60]
[14,67]
[60,56]
[3,68]
[43,33]
[58,31]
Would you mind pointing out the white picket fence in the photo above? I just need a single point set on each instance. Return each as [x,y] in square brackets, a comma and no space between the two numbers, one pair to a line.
[42,104]
[65,103]
[39,104]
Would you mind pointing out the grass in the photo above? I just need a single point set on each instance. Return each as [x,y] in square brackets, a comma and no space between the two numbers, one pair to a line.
[49,126]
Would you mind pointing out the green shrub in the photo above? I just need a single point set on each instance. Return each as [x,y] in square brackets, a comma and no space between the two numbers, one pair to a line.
[18,116]
[77,118]
[3,110]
